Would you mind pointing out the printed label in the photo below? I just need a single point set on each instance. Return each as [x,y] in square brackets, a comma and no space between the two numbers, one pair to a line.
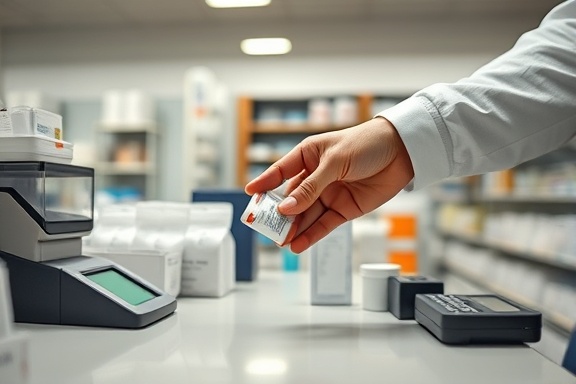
[5,124]
[263,216]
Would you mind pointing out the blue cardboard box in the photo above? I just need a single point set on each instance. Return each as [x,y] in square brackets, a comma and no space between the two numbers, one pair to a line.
[246,255]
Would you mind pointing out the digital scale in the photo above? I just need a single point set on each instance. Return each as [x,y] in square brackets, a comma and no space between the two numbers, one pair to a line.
[471,319]
[45,210]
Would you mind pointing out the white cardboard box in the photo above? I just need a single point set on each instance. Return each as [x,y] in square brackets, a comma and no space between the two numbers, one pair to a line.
[35,121]
[161,268]
[35,148]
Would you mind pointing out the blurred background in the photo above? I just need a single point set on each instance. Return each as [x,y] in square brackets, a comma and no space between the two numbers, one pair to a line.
[163,98]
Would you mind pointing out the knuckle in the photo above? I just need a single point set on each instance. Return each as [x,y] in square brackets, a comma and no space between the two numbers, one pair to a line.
[308,189]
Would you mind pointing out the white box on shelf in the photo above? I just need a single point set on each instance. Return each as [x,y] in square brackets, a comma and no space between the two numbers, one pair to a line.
[331,268]
[162,268]
[35,121]
[35,148]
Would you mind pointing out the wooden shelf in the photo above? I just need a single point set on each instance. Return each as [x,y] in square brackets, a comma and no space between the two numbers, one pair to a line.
[295,128]
[248,127]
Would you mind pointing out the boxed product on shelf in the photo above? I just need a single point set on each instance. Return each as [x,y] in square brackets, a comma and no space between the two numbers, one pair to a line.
[36,121]
[35,148]
[161,267]
[32,134]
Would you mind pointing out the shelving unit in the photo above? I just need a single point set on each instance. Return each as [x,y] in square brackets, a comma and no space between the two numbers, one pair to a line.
[557,320]
[282,132]
[127,159]
[512,232]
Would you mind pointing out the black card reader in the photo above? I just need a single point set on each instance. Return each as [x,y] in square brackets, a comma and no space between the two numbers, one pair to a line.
[473,319]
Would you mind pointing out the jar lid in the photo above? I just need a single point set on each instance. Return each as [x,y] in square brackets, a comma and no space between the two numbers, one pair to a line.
[379,270]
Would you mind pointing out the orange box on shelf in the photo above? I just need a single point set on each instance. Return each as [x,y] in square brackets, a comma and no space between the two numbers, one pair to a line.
[402,226]
[407,259]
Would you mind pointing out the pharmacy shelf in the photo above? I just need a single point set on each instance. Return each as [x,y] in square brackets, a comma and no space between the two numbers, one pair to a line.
[268,160]
[512,251]
[140,170]
[534,199]
[128,128]
[253,128]
[307,129]
[556,319]
[112,168]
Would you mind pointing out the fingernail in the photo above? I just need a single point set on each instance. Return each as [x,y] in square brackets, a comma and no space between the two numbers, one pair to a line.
[287,203]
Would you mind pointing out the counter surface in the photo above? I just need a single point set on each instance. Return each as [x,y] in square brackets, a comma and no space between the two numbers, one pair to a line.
[266,332]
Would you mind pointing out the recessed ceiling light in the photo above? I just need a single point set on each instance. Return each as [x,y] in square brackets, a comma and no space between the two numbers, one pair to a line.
[266,46]
[237,3]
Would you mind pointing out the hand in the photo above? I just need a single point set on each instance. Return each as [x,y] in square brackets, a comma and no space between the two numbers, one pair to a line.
[338,176]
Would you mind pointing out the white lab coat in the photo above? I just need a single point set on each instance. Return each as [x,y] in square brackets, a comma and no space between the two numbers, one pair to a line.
[518,107]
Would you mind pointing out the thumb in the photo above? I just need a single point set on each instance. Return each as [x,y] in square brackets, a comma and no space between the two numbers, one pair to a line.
[307,192]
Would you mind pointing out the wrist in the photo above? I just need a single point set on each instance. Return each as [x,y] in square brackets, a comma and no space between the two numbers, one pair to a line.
[400,148]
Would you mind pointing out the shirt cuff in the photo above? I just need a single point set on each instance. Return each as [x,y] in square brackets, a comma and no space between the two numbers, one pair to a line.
[415,123]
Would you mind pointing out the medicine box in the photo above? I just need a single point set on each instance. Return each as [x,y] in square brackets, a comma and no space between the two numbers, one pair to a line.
[35,121]
[331,268]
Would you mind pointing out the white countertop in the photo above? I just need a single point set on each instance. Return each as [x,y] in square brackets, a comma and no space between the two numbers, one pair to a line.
[266,332]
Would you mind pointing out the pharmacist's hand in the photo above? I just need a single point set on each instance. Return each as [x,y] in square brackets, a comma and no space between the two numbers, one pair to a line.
[338,176]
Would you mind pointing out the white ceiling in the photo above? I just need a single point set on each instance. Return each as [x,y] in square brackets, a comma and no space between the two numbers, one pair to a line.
[49,14]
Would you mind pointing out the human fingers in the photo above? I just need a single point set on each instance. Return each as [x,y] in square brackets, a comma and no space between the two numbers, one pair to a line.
[309,217]
[294,182]
[287,167]
[309,190]
[321,227]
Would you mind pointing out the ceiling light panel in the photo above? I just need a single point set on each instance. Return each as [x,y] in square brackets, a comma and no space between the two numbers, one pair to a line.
[237,3]
[266,46]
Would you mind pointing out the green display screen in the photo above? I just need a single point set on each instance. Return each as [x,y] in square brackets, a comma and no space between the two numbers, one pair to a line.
[121,286]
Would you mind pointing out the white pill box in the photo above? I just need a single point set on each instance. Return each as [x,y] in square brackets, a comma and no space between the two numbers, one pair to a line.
[35,121]
[331,268]
[262,215]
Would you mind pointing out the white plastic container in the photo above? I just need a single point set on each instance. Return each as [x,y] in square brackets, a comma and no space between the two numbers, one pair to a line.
[375,285]
[262,215]
[319,112]
[345,111]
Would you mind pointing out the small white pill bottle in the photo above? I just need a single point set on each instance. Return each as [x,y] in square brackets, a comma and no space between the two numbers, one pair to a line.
[262,215]
[375,285]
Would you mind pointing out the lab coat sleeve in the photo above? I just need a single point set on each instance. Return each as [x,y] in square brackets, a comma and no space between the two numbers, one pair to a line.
[518,107]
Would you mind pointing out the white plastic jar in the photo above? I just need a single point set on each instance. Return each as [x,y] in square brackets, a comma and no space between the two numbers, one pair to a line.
[375,285]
